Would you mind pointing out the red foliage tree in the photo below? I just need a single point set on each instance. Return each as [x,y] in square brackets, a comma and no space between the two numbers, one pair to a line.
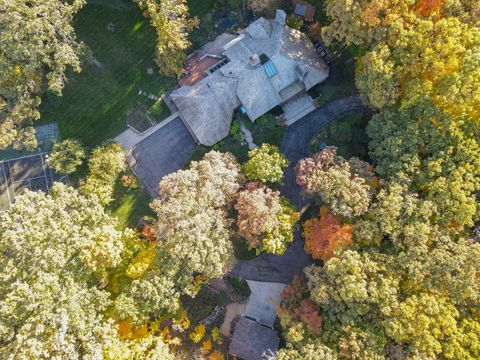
[325,235]
[297,306]
[148,232]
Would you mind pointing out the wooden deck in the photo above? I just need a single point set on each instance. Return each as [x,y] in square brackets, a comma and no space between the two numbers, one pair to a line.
[196,69]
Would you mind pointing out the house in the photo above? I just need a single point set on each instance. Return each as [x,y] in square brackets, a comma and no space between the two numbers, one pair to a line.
[304,9]
[266,65]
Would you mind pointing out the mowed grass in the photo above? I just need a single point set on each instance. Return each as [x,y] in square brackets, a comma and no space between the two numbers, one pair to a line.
[95,102]
[200,8]
[130,204]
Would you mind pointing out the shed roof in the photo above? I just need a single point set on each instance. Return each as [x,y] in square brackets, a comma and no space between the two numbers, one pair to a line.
[251,340]
[304,9]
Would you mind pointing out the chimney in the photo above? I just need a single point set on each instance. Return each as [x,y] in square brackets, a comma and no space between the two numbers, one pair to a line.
[281,17]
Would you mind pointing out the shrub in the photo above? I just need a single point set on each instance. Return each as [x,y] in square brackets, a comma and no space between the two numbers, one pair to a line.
[67,156]
[206,347]
[215,334]
[265,164]
[216,355]
[235,128]
[295,22]
[341,131]
[266,121]
[198,333]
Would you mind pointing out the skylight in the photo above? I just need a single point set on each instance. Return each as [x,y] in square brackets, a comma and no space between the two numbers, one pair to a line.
[270,68]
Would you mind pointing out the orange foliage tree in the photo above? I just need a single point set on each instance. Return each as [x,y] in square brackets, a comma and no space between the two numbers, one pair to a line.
[428,7]
[325,235]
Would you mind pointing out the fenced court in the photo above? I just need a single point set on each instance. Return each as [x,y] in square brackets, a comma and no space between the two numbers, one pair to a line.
[28,172]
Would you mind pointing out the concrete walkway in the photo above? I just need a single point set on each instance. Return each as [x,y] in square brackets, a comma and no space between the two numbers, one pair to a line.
[281,269]
[263,301]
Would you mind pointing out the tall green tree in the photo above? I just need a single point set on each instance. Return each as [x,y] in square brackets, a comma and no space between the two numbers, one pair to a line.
[437,155]
[170,19]
[105,164]
[37,45]
[67,156]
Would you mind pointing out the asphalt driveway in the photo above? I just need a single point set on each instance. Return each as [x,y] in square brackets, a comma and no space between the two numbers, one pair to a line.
[163,152]
[281,269]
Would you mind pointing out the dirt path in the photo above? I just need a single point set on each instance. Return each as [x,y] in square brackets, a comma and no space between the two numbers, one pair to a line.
[233,310]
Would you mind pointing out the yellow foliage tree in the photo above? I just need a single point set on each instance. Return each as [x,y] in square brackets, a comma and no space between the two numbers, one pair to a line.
[198,333]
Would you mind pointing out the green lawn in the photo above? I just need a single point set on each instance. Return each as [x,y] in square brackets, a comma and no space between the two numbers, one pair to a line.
[130,204]
[95,102]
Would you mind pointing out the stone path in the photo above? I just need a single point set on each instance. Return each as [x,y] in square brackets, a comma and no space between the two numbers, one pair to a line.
[273,268]
[248,136]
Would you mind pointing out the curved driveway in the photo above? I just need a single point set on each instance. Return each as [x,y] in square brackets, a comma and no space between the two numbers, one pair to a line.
[273,268]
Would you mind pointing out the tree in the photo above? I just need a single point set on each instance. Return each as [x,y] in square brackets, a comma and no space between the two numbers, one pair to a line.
[312,350]
[191,243]
[54,250]
[66,156]
[265,164]
[151,347]
[266,7]
[353,286]
[106,162]
[415,49]
[37,45]
[326,236]
[423,321]
[265,219]
[330,177]
[296,308]
[464,343]
[439,156]
[193,226]
[170,19]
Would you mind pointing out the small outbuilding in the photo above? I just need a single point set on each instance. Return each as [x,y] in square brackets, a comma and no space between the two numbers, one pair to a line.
[304,9]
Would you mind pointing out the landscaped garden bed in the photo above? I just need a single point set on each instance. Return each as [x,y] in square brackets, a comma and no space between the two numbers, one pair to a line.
[347,134]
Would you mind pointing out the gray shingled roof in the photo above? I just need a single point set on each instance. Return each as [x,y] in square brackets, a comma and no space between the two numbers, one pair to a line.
[251,340]
[207,107]
[243,81]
